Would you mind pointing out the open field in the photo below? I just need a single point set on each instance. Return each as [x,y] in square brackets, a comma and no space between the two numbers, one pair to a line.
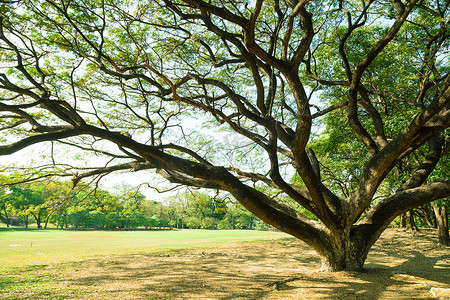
[203,264]
[20,247]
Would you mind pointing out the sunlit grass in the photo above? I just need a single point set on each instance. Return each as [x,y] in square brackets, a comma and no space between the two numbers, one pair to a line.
[21,248]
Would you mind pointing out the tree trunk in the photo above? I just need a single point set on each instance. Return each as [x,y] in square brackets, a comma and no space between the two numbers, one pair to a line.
[47,220]
[442,222]
[433,215]
[403,220]
[342,259]
[347,252]
[425,213]
[25,220]
[410,223]
[38,220]
[7,219]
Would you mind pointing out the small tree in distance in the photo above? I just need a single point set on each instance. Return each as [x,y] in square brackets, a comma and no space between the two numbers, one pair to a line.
[126,79]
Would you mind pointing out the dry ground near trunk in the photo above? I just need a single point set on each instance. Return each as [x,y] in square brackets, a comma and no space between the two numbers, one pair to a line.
[400,266]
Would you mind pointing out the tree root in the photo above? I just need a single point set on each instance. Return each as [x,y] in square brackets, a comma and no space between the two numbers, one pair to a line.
[276,284]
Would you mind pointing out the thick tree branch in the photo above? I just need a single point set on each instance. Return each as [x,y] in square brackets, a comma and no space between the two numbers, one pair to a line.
[413,135]
[404,201]
[32,140]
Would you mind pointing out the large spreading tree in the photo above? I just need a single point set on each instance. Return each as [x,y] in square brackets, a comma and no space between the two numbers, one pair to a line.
[304,111]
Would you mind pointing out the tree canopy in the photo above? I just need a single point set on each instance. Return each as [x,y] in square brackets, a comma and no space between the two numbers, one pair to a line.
[304,111]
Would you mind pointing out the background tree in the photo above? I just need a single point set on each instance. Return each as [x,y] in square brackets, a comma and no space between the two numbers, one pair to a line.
[5,203]
[25,202]
[203,211]
[237,217]
[83,207]
[125,79]
[57,197]
[440,209]
[176,212]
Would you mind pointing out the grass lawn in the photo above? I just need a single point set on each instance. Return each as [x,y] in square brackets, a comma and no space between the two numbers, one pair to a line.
[204,264]
[21,248]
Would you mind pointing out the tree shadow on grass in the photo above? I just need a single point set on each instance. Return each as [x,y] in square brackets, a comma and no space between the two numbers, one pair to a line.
[280,269]
[225,277]
[399,267]
[182,277]
[211,274]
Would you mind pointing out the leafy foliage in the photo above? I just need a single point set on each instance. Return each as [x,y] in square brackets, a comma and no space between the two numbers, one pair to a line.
[325,119]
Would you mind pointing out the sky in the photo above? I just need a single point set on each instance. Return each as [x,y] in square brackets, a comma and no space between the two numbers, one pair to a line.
[39,155]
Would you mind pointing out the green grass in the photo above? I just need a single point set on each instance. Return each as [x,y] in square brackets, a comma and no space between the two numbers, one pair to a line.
[25,254]
[27,248]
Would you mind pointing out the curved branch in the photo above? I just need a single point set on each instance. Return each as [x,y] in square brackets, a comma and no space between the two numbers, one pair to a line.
[185,150]
[362,65]
[32,140]
[406,200]
[133,166]
[178,178]
[375,115]
[218,11]
[415,134]
[329,109]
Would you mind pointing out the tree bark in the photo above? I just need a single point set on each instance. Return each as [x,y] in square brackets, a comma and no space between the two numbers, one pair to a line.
[349,227]
[433,215]
[442,222]
[425,213]
[25,219]
[410,223]
[7,219]
[403,220]
[38,219]
[47,220]
[346,253]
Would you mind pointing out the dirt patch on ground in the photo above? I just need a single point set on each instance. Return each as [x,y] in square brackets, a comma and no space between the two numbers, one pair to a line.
[400,266]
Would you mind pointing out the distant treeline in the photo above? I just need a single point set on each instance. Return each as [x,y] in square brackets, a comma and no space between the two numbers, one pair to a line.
[57,203]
